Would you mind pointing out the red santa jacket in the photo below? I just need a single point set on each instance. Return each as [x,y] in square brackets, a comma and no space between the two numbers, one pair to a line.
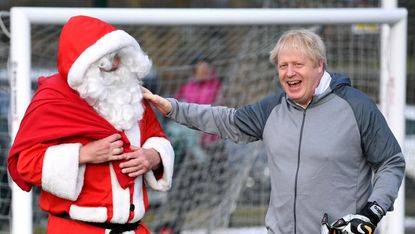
[46,153]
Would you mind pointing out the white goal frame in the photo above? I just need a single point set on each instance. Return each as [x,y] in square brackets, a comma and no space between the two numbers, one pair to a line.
[393,71]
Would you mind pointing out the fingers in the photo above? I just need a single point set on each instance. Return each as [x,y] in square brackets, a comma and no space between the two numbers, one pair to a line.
[162,104]
[137,173]
[147,94]
[116,151]
[131,168]
[146,91]
[115,144]
[114,148]
[117,157]
[134,169]
[131,155]
[136,164]
[113,137]
[154,98]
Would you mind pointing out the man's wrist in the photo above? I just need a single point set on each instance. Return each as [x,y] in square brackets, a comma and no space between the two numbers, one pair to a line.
[373,211]
[156,160]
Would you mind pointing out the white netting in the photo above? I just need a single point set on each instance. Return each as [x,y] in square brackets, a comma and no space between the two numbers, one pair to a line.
[5,192]
[220,184]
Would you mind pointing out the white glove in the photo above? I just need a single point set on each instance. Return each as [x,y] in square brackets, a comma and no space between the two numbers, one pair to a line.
[354,224]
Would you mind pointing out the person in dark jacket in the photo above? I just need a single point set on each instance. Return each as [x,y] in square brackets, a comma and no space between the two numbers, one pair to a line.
[330,150]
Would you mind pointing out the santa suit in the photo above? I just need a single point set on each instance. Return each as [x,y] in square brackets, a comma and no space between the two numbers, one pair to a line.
[58,122]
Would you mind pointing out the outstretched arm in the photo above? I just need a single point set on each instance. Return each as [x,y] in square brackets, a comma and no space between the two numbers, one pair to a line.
[241,125]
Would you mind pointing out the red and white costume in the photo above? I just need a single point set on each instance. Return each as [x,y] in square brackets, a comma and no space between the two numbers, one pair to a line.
[58,121]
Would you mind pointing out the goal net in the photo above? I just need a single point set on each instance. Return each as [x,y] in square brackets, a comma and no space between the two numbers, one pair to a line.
[217,184]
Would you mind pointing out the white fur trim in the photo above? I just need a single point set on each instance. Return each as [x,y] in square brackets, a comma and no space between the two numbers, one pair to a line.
[88,214]
[138,199]
[165,149]
[120,200]
[109,43]
[133,135]
[61,173]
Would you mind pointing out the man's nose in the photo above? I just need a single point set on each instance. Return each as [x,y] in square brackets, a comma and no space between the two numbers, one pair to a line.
[291,70]
[115,63]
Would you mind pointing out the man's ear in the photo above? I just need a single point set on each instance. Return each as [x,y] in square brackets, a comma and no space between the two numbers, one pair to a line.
[321,67]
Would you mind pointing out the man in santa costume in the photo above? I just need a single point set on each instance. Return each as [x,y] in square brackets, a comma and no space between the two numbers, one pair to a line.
[88,138]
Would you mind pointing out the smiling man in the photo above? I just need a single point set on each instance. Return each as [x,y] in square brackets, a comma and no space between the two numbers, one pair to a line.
[329,148]
[300,68]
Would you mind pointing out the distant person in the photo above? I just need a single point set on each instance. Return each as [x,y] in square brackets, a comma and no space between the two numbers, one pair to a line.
[195,151]
[89,139]
[330,150]
[203,87]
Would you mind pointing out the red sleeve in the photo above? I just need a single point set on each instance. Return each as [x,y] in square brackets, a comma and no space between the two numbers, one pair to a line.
[30,162]
[29,165]
[150,127]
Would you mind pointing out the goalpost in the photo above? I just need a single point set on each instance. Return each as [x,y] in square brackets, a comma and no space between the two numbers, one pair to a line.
[393,70]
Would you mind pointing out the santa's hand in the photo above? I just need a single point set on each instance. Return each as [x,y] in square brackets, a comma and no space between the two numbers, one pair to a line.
[140,161]
[103,150]
[162,104]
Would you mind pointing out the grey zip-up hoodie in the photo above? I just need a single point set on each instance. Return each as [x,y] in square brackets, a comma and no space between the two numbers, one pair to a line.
[321,159]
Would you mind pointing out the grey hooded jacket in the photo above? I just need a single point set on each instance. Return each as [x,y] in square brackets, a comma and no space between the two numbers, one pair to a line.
[321,159]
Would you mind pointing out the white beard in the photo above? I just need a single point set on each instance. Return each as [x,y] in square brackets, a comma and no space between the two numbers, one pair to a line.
[115,95]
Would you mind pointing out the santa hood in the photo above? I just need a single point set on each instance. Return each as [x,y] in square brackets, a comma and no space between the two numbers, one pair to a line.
[84,40]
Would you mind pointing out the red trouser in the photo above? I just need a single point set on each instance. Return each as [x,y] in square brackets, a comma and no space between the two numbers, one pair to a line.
[57,225]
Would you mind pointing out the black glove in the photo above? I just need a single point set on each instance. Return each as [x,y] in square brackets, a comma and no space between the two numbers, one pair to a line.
[363,223]
[373,211]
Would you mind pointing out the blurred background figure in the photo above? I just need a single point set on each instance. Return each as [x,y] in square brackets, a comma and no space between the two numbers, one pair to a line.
[194,150]
[203,87]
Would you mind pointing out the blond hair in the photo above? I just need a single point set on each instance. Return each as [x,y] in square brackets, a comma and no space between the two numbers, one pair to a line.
[304,41]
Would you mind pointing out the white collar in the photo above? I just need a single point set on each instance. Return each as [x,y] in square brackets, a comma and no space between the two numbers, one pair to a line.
[324,84]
